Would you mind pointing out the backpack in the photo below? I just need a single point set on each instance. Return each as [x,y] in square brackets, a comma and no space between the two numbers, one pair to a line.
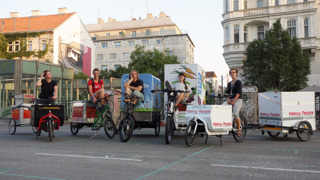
[93,87]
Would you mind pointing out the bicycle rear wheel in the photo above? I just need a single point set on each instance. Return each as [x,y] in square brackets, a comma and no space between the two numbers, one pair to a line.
[109,127]
[126,128]
[243,130]
[190,133]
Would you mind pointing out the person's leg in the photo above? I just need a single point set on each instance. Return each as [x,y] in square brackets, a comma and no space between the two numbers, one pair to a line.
[179,98]
[236,109]
[139,97]
[100,94]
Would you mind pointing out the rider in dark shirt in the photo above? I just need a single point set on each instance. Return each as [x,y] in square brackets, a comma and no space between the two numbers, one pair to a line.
[49,87]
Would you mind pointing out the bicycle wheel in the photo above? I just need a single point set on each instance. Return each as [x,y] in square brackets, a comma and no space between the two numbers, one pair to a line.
[304,131]
[50,129]
[243,130]
[169,129]
[109,127]
[74,128]
[126,128]
[12,126]
[34,129]
[273,134]
[158,124]
[190,133]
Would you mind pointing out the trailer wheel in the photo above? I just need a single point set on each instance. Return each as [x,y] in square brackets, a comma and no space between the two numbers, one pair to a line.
[304,131]
[12,126]
[74,128]
[273,134]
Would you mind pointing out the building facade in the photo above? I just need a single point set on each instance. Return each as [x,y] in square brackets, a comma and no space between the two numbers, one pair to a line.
[59,39]
[246,20]
[116,40]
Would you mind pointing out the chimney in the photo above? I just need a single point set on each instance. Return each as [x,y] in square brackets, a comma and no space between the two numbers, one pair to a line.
[100,21]
[63,10]
[109,19]
[14,14]
[149,16]
[162,15]
[35,13]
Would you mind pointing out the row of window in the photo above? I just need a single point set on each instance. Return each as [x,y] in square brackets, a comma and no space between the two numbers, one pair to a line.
[134,33]
[291,27]
[125,55]
[144,42]
[15,45]
[260,3]
[105,67]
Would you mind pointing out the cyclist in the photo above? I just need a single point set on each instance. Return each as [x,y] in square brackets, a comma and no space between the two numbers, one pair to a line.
[96,90]
[49,87]
[135,86]
[234,95]
[181,85]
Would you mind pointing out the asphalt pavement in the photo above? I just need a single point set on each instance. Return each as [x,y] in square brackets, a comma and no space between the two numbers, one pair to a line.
[146,156]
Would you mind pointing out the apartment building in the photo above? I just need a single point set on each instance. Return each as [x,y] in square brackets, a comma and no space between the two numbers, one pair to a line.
[115,40]
[246,20]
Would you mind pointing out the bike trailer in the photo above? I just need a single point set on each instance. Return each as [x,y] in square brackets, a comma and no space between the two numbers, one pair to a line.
[83,112]
[21,113]
[38,111]
[282,111]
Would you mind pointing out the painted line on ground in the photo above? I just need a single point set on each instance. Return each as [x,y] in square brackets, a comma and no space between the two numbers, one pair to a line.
[26,176]
[89,157]
[176,162]
[266,168]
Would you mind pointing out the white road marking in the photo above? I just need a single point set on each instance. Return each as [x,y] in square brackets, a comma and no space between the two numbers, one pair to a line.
[265,168]
[92,157]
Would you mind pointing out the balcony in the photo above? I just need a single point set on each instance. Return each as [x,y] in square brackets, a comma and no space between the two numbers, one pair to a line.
[235,48]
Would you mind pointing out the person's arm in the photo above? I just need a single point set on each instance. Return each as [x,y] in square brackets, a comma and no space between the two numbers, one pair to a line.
[39,80]
[55,92]
[139,88]
[127,84]
[228,98]
[90,91]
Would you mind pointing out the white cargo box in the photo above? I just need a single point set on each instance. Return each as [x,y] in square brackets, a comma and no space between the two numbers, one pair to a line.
[217,117]
[286,109]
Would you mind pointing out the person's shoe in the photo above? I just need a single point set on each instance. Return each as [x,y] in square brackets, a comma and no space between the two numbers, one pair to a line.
[101,108]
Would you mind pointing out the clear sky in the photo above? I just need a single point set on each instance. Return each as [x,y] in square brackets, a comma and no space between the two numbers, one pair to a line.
[201,19]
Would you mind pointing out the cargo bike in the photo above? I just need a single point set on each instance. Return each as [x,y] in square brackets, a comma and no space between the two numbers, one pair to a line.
[88,114]
[145,114]
[46,116]
[286,113]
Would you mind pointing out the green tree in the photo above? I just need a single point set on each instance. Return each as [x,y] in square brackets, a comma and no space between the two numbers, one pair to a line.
[106,74]
[277,62]
[80,75]
[147,61]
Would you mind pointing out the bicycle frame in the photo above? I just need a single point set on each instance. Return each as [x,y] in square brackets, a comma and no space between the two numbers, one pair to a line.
[43,120]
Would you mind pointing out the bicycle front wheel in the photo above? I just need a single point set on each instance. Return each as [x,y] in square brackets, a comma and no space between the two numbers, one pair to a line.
[109,127]
[169,129]
[126,128]
[50,129]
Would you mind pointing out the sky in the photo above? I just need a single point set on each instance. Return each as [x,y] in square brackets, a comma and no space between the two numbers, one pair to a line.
[201,19]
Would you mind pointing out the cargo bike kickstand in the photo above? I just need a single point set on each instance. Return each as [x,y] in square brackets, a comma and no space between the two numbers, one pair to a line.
[46,116]
[94,117]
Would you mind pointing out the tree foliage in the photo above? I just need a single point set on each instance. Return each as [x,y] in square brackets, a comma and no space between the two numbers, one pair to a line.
[80,75]
[144,61]
[277,62]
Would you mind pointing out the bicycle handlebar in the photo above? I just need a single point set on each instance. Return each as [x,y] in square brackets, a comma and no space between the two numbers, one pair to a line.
[167,90]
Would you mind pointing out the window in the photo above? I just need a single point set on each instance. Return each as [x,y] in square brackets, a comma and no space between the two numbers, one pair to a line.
[291,25]
[131,43]
[113,55]
[108,34]
[104,45]
[236,5]
[14,46]
[261,32]
[259,3]
[227,37]
[245,5]
[306,27]
[121,33]
[104,67]
[29,45]
[245,36]
[148,33]
[159,41]
[162,31]
[117,44]
[227,5]
[134,34]
[236,34]
[10,46]
[170,53]
[144,42]
[305,0]
[116,66]
[126,55]
[291,1]
[43,45]
[99,56]
[174,40]
[276,2]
